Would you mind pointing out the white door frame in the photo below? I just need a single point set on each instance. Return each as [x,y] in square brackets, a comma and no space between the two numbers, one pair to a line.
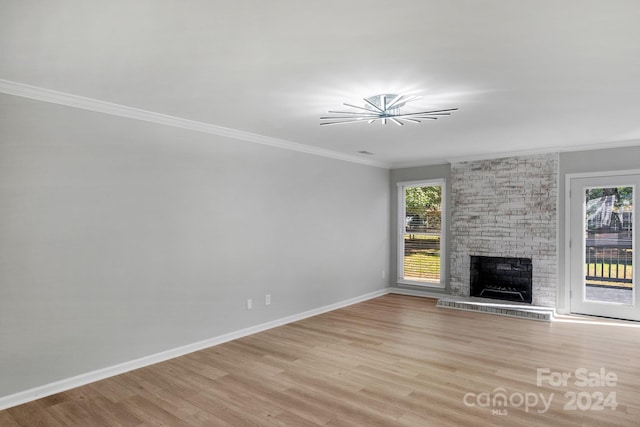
[567,228]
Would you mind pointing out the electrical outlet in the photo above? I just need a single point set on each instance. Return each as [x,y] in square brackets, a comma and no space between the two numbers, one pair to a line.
[267,299]
[384,274]
[249,304]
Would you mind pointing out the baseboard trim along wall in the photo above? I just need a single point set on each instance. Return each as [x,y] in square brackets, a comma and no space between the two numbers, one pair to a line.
[100,374]
[424,293]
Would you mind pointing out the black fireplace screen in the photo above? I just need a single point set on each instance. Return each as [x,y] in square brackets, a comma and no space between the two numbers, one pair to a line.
[501,278]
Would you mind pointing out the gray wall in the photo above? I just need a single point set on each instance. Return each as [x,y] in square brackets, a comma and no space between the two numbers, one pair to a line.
[614,159]
[416,174]
[120,239]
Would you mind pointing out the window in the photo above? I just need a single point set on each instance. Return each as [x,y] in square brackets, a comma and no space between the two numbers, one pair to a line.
[420,237]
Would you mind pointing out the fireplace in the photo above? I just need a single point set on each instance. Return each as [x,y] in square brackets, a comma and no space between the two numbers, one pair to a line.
[501,278]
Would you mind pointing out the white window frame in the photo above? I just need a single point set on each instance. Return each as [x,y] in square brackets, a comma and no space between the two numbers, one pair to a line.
[401,230]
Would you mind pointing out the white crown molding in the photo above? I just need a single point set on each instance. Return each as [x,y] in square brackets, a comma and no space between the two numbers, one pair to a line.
[100,374]
[90,104]
[546,150]
[504,154]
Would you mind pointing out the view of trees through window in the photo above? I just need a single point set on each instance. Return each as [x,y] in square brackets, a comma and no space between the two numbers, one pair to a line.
[423,223]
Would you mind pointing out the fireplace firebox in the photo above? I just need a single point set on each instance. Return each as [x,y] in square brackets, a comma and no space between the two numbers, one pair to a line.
[502,278]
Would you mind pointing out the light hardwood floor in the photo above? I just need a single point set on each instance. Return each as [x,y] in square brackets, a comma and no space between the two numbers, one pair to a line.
[393,360]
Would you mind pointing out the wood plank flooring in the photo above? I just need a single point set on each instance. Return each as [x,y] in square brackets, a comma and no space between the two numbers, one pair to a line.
[391,361]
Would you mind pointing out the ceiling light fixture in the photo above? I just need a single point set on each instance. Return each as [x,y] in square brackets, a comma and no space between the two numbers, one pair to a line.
[385,107]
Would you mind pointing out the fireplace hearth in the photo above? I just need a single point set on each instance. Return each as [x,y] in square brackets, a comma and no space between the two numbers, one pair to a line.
[503,278]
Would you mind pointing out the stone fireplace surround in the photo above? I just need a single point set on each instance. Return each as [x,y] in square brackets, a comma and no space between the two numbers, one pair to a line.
[506,208]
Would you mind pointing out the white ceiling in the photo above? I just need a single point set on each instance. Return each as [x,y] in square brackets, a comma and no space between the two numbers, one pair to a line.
[529,75]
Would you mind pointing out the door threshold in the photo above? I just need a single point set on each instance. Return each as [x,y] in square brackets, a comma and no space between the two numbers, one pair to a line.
[589,318]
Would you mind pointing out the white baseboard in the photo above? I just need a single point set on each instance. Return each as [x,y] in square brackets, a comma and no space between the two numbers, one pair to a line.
[100,374]
[417,293]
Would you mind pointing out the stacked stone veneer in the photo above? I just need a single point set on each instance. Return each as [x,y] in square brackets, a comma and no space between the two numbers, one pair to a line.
[508,208]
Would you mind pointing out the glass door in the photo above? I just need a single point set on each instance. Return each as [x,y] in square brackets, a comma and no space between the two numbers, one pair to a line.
[603,239]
